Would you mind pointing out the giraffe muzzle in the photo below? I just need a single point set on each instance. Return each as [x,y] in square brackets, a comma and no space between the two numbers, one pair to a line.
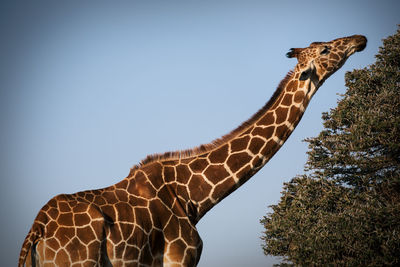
[361,42]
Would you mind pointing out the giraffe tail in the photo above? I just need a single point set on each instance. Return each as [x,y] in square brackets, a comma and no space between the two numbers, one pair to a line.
[31,239]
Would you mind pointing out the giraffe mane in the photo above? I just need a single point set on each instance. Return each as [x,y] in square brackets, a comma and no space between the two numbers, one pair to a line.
[204,148]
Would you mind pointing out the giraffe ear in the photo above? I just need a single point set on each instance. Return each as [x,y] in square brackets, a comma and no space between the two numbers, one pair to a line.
[293,52]
[290,54]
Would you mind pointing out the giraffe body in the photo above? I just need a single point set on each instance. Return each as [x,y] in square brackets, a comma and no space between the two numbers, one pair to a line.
[149,218]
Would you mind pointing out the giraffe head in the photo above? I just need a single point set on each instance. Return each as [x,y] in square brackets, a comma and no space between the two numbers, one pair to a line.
[321,59]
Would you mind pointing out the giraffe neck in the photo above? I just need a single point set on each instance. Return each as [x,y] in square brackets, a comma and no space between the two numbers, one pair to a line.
[234,162]
[202,177]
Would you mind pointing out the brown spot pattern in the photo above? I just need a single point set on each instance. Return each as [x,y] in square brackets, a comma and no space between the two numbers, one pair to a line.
[299,97]
[198,165]
[292,85]
[219,155]
[236,161]
[240,144]
[267,119]
[263,132]
[287,100]
[216,173]
[255,145]
[281,114]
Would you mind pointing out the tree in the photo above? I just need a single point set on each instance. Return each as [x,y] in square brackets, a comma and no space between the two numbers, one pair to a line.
[346,209]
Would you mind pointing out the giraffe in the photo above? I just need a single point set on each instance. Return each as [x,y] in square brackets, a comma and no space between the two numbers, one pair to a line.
[149,218]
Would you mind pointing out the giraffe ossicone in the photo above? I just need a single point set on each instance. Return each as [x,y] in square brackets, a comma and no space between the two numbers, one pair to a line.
[149,218]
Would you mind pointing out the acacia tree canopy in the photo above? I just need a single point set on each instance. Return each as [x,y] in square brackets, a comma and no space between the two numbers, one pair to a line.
[346,209]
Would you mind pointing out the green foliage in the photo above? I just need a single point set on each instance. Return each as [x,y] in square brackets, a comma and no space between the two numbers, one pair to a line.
[346,211]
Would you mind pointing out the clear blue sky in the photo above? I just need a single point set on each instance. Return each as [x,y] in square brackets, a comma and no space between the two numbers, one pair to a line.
[89,88]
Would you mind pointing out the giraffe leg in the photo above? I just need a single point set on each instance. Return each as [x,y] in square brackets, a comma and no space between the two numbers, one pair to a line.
[127,250]
[73,234]
[183,248]
[30,257]
[69,252]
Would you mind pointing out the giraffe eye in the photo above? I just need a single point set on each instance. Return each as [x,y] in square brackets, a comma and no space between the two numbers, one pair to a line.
[325,51]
